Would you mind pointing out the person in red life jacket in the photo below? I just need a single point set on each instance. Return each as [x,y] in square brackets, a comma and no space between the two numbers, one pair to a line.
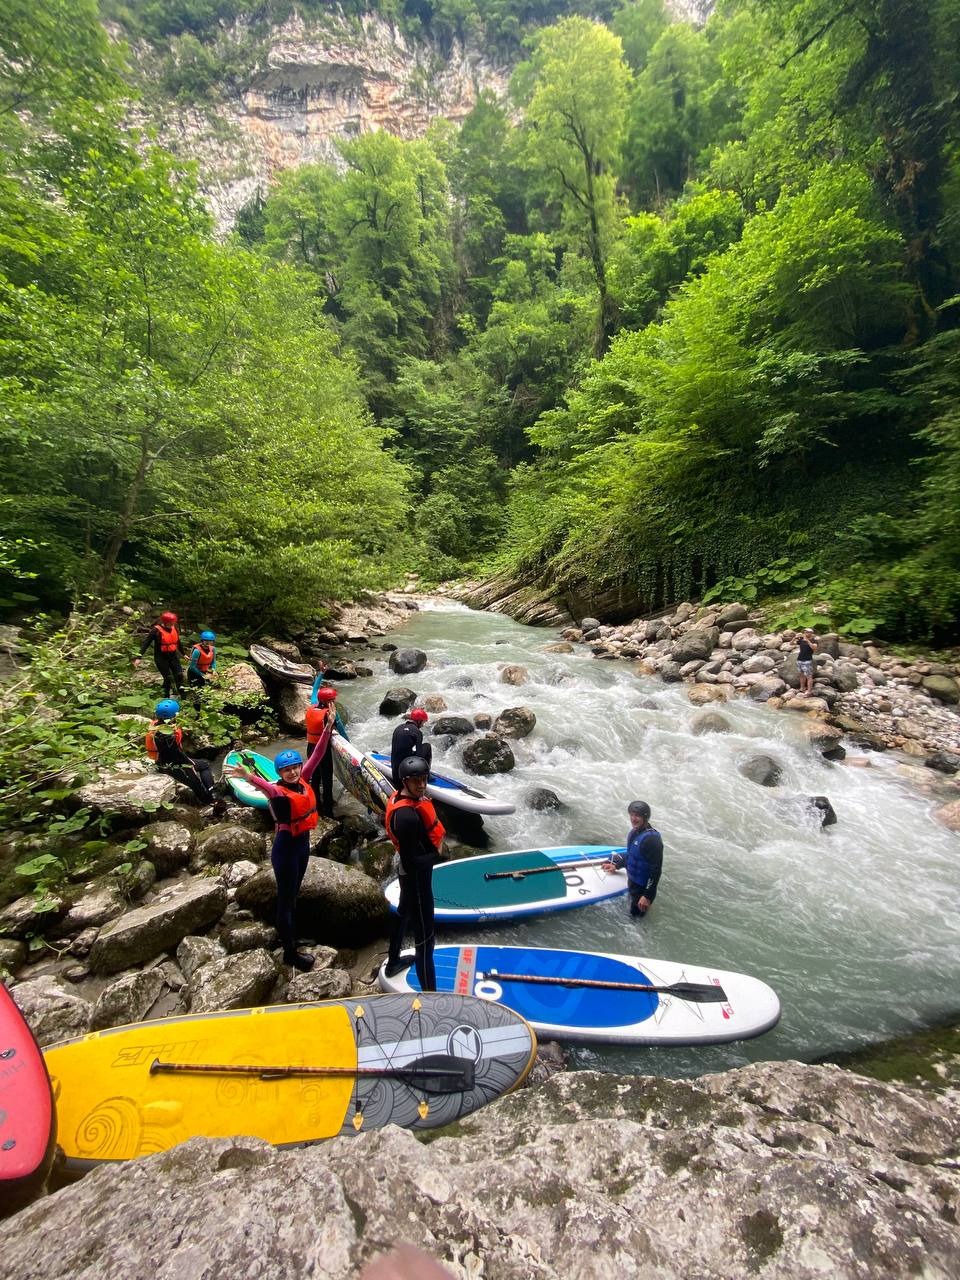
[415,830]
[203,660]
[317,718]
[167,648]
[408,741]
[643,859]
[294,809]
[164,747]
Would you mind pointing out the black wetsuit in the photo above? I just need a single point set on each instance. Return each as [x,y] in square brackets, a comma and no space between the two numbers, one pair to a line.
[172,759]
[407,741]
[417,860]
[168,664]
[644,863]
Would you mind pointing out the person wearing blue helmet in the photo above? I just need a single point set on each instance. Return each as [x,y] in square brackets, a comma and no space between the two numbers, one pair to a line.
[203,660]
[294,809]
[164,747]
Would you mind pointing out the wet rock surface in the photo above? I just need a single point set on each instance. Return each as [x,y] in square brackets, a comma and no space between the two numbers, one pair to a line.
[157,927]
[338,905]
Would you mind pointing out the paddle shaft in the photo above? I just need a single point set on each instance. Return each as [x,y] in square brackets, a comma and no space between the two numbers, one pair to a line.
[520,872]
[705,992]
[449,1068]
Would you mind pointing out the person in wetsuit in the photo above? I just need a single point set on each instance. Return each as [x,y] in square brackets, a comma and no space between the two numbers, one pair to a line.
[643,859]
[317,718]
[408,741]
[294,808]
[203,660]
[164,739]
[415,830]
[167,650]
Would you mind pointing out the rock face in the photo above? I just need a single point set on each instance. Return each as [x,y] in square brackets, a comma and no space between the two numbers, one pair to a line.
[338,905]
[142,934]
[128,795]
[776,1170]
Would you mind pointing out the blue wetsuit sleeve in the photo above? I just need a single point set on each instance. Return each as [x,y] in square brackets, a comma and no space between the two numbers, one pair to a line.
[316,685]
[194,659]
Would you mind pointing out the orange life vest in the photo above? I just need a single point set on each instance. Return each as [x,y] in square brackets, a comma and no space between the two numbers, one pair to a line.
[303,809]
[152,751]
[169,638]
[428,816]
[315,720]
[205,657]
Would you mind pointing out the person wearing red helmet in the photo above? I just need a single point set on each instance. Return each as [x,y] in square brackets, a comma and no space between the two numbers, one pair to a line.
[318,717]
[408,741]
[167,649]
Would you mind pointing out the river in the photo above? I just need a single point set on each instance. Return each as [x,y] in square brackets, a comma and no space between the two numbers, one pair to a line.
[854,926]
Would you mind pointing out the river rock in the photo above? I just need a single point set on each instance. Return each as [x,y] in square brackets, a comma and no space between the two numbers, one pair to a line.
[337,905]
[128,999]
[560,646]
[128,795]
[234,982]
[483,720]
[169,845]
[770,686]
[291,701]
[396,701]
[761,662]
[234,873]
[20,918]
[696,644]
[589,624]
[820,735]
[542,800]
[828,815]
[452,726]
[943,688]
[149,930]
[746,641]
[197,950]
[669,672]
[487,755]
[225,842]
[699,694]
[949,815]
[732,613]
[318,984]
[514,674]
[248,937]
[844,677]
[761,769]
[656,629]
[406,662]
[943,762]
[53,1011]
[13,954]
[515,722]
[286,648]
[434,703]
[829,644]
[376,859]
[710,722]
[100,902]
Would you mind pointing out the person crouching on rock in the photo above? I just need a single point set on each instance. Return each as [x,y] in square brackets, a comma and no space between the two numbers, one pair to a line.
[408,741]
[294,809]
[416,832]
[643,859]
[164,739]
[203,660]
[167,648]
[318,717]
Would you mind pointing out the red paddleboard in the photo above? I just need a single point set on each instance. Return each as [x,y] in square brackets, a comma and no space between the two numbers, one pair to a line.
[28,1128]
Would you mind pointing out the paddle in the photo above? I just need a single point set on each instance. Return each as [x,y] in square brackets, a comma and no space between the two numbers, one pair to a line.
[520,872]
[437,1073]
[248,759]
[697,992]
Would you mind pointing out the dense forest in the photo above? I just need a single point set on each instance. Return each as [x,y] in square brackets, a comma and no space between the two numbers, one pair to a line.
[681,314]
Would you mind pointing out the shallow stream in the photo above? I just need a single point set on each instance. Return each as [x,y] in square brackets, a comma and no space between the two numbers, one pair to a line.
[855,926]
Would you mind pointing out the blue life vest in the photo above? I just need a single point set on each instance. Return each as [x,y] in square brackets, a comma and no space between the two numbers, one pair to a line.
[638,868]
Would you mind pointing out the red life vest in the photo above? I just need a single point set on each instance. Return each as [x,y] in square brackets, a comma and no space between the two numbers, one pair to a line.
[205,657]
[303,809]
[315,720]
[169,638]
[152,742]
[428,816]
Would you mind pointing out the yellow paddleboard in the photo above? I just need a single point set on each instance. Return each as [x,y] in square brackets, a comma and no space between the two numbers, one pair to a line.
[134,1090]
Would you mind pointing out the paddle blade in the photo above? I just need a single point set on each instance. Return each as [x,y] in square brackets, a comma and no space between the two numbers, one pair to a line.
[439,1073]
[697,992]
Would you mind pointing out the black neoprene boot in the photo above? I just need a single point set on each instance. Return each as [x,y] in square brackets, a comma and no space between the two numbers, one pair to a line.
[299,960]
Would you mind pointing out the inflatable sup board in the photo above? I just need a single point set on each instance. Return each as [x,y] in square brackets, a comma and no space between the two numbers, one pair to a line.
[525,882]
[28,1127]
[452,792]
[581,995]
[242,789]
[277,667]
[361,775]
[289,1074]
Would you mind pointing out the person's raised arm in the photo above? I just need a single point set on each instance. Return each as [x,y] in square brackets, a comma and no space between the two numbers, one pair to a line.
[316,755]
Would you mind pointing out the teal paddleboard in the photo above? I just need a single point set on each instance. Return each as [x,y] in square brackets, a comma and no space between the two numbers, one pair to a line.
[245,792]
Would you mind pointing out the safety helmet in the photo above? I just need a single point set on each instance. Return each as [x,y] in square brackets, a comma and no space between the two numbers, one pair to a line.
[167,708]
[413,767]
[326,693]
[418,715]
[287,758]
[168,616]
[208,636]
[639,808]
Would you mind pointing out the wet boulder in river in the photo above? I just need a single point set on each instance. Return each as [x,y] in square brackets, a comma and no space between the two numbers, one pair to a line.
[397,701]
[514,674]
[453,726]
[542,800]
[483,720]
[515,722]
[762,770]
[710,722]
[405,662]
[825,809]
[487,755]
[943,762]
[697,644]
[589,624]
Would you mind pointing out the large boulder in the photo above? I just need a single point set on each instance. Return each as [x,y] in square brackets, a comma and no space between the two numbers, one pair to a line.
[150,930]
[99,902]
[53,1012]
[318,984]
[195,951]
[762,769]
[337,905]
[487,755]
[820,735]
[514,674]
[696,644]
[21,918]
[770,686]
[732,613]
[453,726]
[943,688]
[844,677]
[406,662]
[233,982]
[292,701]
[515,722]
[169,845]
[127,796]
[128,999]
[542,800]
[225,842]
[710,722]
[397,700]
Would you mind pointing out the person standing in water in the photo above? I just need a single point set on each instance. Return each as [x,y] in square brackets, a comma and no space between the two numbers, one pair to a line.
[643,859]
[806,648]
[167,649]
[203,660]
[320,716]
[408,741]
[416,832]
[294,809]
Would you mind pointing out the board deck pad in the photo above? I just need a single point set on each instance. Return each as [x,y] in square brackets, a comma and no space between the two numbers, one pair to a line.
[245,792]
[112,1108]
[602,1014]
[465,883]
[27,1118]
